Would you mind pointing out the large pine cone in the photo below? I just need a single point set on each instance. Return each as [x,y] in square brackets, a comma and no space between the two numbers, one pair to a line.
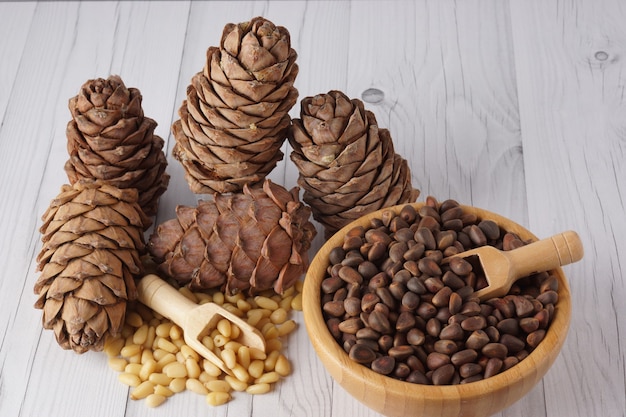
[109,139]
[255,240]
[234,120]
[92,237]
[347,164]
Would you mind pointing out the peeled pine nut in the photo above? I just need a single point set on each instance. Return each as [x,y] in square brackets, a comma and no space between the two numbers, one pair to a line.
[117,364]
[163,390]
[193,369]
[230,358]
[268,378]
[296,303]
[155,400]
[256,368]
[131,380]
[218,398]
[218,385]
[266,303]
[113,346]
[154,360]
[282,366]
[235,383]
[224,327]
[278,316]
[196,386]
[178,384]
[141,335]
[256,389]
[286,327]
[134,319]
[142,390]
[160,379]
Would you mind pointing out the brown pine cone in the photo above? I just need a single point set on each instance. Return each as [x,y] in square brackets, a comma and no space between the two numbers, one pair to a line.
[92,236]
[255,240]
[347,164]
[235,118]
[109,139]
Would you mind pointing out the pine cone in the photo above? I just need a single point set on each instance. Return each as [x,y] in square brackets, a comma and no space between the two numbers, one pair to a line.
[234,120]
[109,139]
[255,240]
[92,236]
[347,164]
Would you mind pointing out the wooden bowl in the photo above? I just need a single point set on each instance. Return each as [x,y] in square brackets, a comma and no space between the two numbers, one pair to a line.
[392,397]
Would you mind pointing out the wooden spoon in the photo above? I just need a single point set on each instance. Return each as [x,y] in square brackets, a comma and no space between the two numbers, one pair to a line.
[503,268]
[196,320]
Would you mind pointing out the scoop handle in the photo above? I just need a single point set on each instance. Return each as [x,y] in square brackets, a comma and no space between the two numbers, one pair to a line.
[546,254]
[164,299]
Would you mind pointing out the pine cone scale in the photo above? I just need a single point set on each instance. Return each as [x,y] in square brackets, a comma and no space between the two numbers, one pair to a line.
[347,165]
[235,116]
[242,241]
[109,139]
[87,275]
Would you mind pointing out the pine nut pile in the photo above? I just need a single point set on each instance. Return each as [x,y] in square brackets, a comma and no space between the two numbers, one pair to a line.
[153,359]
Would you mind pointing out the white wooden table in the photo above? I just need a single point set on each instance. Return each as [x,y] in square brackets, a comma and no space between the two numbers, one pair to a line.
[514,106]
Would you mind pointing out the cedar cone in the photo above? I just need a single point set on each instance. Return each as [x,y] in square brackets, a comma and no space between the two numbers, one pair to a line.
[255,240]
[234,119]
[109,139]
[92,236]
[347,164]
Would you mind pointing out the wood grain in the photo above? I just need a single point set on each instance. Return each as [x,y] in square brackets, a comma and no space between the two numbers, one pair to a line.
[569,59]
[513,106]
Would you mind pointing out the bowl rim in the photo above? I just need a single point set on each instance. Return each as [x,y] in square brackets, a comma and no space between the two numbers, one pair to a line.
[333,355]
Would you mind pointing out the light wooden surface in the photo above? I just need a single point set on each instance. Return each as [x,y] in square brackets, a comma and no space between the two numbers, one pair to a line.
[513,106]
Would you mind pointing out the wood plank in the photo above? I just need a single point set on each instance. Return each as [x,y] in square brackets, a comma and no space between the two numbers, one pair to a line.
[447,73]
[14,26]
[45,380]
[571,75]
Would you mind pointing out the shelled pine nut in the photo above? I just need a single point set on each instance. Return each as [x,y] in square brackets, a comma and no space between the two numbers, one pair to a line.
[153,359]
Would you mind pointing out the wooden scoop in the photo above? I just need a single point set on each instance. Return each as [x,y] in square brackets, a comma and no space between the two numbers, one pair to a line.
[196,320]
[503,268]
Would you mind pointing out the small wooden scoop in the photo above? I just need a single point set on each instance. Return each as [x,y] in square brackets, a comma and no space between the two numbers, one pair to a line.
[196,320]
[503,268]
